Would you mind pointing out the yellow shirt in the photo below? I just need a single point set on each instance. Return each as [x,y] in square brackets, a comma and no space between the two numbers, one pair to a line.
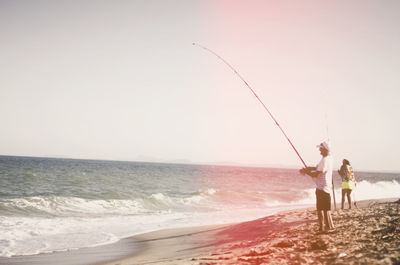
[350,183]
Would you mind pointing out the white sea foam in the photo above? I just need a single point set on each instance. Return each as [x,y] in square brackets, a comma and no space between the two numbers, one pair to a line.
[65,223]
[382,189]
[27,236]
[65,206]
[365,190]
[209,191]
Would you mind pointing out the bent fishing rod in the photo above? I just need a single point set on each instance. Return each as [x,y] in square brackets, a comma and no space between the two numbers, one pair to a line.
[254,93]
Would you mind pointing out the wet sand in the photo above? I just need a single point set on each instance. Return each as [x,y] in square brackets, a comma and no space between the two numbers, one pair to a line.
[367,235]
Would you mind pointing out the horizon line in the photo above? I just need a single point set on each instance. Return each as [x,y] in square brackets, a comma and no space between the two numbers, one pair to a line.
[188,162]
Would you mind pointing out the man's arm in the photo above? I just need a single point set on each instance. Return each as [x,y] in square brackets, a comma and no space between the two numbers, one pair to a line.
[311,171]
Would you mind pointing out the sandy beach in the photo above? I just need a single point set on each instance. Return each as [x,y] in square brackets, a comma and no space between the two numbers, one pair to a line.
[369,234]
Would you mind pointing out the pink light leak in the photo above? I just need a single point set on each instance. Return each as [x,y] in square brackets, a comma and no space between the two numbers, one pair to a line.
[276,47]
[238,32]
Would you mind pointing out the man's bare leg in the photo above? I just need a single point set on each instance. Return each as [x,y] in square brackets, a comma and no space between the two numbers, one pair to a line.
[328,220]
[320,220]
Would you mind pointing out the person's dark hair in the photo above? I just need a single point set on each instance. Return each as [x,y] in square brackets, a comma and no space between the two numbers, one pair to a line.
[346,162]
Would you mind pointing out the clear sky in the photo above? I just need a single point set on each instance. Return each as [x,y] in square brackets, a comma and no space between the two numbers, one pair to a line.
[121,80]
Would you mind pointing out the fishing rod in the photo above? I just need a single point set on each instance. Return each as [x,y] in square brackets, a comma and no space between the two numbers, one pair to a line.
[333,184]
[354,199]
[254,93]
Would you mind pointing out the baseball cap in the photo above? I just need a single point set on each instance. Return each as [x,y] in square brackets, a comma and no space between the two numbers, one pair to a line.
[326,145]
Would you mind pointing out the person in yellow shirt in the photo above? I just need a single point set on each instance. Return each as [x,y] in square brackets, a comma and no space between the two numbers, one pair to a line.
[348,181]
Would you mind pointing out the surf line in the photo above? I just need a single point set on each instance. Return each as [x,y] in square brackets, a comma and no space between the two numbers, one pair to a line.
[254,93]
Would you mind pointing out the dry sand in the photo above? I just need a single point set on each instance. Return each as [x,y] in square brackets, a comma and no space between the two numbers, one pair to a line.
[368,235]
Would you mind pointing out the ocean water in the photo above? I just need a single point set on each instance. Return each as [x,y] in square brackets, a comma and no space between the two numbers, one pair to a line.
[49,205]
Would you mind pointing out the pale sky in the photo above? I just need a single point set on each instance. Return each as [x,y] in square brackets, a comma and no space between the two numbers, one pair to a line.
[121,80]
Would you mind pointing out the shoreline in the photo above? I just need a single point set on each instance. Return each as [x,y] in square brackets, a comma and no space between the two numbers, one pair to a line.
[285,237]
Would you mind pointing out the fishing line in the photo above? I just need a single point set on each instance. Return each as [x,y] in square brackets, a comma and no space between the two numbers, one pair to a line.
[327,127]
[327,135]
[354,198]
[254,93]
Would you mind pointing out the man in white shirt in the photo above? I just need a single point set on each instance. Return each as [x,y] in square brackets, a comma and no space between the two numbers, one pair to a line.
[322,176]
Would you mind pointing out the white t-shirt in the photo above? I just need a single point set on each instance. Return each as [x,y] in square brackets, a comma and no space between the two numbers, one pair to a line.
[324,181]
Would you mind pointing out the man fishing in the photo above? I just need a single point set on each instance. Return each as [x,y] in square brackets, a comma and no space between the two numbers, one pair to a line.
[322,176]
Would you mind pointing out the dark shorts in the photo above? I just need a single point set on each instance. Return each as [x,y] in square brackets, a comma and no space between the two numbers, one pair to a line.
[323,200]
